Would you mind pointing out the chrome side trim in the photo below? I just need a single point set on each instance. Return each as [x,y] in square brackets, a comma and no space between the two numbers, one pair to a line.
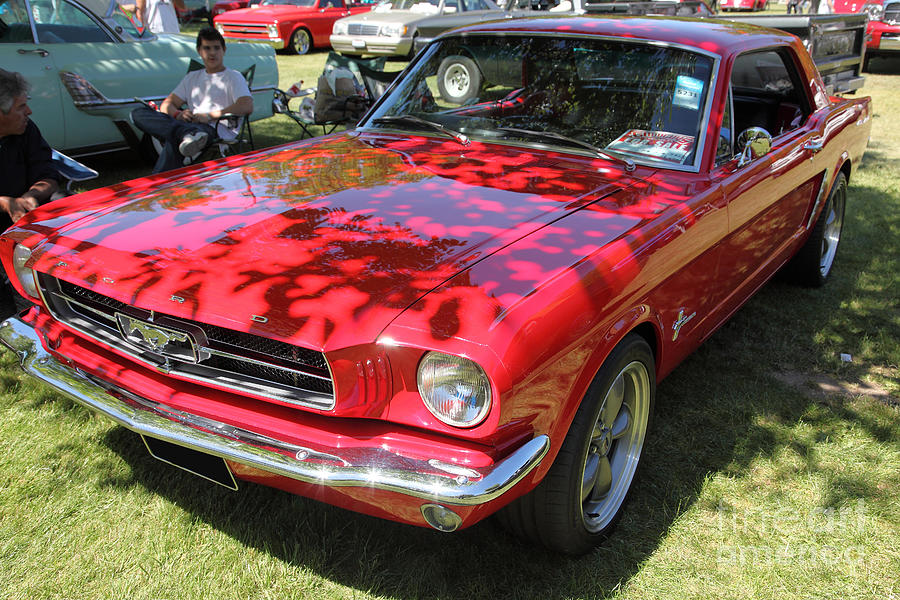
[373,467]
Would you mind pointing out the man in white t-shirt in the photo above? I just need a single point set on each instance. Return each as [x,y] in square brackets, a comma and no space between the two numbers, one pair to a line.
[207,94]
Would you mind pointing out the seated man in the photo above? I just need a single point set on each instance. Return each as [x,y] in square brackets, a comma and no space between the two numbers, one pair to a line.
[27,176]
[208,93]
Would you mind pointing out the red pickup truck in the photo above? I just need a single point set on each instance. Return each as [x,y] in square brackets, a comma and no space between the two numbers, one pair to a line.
[295,26]
[883,28]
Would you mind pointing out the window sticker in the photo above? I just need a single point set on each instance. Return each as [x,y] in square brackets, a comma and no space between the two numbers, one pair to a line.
[658,144]
[688,92]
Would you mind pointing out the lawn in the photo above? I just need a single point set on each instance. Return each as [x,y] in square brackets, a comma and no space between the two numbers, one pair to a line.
[772,471]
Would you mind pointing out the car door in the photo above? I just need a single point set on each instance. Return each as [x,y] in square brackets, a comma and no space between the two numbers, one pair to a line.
[103,73]
[322,21]
[20,53]
[769,197]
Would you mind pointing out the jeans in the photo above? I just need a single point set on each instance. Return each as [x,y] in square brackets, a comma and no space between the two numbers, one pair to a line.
[170,132]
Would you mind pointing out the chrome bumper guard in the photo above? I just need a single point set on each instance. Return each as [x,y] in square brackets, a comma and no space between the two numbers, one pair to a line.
[372,468]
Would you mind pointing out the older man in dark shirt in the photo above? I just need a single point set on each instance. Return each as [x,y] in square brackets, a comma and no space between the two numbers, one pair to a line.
[27,176]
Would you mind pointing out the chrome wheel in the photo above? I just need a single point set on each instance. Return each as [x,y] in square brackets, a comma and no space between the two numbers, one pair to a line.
[615,446]
[456,81]
[459,80]
[300,41]
[831,234]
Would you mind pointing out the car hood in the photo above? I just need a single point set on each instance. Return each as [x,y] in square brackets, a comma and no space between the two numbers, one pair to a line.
[404,17]
[319,243]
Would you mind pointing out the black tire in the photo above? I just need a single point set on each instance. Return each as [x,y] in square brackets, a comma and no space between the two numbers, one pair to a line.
[300,43]
[813,263]
[459,79]
[568,511]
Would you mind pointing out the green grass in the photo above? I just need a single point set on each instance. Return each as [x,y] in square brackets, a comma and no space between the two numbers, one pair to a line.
[772,471]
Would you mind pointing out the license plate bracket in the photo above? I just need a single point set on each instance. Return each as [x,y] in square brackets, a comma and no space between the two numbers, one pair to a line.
[209,467]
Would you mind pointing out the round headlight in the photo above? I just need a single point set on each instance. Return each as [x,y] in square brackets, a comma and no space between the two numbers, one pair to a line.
[272,28]
[220,28]
[339,28]
[455,389]
[875,11]
[21,254]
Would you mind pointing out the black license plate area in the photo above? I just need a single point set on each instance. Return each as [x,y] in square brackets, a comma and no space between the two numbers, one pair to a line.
[207,466]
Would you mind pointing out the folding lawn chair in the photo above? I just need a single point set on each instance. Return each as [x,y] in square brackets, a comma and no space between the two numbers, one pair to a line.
[332,103]
[71,170]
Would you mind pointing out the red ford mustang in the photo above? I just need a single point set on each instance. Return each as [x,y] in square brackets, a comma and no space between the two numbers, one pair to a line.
[459,307]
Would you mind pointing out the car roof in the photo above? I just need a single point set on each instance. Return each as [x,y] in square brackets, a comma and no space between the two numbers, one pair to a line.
[711,35]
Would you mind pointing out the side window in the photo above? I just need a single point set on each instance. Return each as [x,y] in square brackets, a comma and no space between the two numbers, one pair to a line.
[766,93]
[14,25]
[59,22]
[475,5]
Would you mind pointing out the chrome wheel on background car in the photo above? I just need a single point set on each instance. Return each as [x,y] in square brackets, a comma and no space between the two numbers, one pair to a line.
[459,79]
[300,42]
[580,499]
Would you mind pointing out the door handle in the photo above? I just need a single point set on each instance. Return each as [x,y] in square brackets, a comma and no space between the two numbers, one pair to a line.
[814,145]
[40,51]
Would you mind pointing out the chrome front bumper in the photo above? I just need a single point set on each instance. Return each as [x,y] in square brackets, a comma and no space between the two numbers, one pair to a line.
[890,43]
[375,468]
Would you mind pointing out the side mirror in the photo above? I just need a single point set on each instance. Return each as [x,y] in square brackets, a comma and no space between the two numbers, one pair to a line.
[753,143]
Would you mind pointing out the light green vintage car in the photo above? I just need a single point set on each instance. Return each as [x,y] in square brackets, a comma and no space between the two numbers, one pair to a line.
[87,62]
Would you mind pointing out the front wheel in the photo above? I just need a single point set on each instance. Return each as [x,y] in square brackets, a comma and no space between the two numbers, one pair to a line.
[580,500]
[458,79]
[300,42]
[813,263]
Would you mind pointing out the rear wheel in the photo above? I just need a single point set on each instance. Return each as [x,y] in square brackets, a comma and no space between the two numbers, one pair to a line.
[458,79]
[580,500]
[300,42]
[813,263]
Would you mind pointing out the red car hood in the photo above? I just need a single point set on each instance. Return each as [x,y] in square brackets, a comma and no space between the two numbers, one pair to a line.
[326,241]
[264,14]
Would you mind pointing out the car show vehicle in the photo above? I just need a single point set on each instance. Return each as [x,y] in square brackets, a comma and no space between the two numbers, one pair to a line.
[455,309]
[744,5]
[295,26]
[836,43]
[884,25]
[390,29]
[89,67]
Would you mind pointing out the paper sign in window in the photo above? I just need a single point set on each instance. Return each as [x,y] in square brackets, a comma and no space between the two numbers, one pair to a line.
[658,144]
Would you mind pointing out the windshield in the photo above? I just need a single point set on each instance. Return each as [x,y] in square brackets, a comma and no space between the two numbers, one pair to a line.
[630,99]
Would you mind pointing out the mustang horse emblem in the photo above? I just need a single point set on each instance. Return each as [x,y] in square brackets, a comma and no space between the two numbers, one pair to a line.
[155,338]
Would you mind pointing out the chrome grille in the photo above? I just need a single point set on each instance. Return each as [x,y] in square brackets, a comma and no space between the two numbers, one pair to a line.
[892,13]
[362,29]
[233,359]
[240,29]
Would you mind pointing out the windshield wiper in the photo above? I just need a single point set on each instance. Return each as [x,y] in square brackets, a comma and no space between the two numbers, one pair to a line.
[629,164]
[414,120]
